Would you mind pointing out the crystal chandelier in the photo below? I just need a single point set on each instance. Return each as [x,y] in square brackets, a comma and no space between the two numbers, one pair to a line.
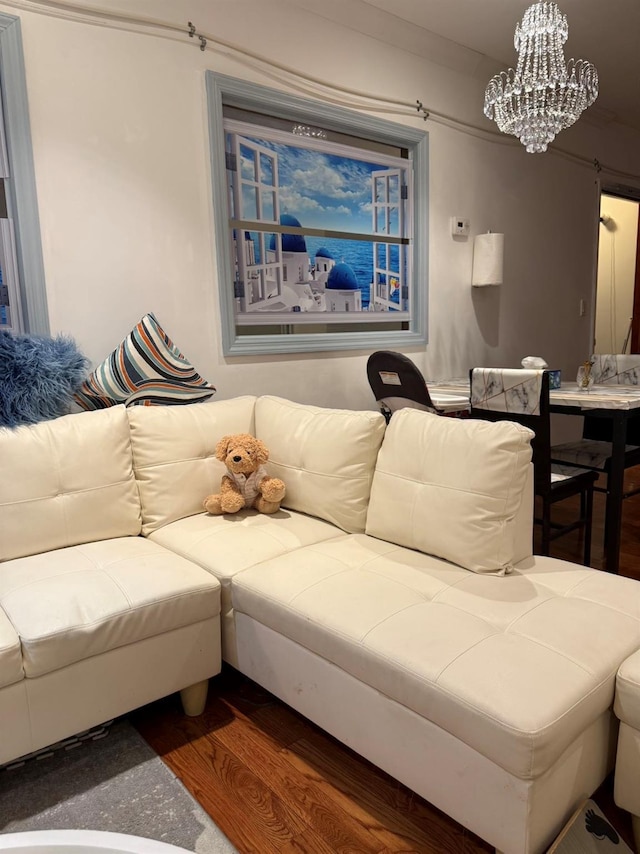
[544,95]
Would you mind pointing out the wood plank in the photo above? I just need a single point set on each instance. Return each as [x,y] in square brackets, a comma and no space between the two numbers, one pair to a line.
[310,843]
[242,804]
[401,815]
[302,792]
[282,723]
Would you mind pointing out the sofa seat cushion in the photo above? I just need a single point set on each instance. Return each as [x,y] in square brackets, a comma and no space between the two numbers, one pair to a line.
[627,704]
[10,653]
[225,545]
[515,666]
[74,603]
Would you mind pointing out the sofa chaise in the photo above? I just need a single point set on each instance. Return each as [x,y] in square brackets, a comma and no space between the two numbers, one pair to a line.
[394,599]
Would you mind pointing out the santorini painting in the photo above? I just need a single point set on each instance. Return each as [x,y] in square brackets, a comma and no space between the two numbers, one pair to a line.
[316,228]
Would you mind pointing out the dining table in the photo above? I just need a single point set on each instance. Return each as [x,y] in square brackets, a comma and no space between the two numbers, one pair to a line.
[617,403]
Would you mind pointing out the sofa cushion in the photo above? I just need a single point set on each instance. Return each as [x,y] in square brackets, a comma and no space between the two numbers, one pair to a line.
[627,704]
[67,481]
[325,457]
[174,454]
[10,653]
[516,667]
[38,375]
[451,488]
[225,545]
[145,369]
[74,603]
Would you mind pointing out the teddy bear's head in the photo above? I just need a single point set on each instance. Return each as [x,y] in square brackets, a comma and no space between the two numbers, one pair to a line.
[241,453]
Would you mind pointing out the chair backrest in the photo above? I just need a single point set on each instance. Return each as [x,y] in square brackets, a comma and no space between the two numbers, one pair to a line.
[396,382]
[612,369]
[522,395]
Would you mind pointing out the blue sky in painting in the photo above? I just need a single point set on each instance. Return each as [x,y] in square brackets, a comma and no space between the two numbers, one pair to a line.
[324,190]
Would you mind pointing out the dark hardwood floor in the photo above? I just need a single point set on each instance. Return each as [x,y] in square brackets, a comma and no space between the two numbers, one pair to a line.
[274,782]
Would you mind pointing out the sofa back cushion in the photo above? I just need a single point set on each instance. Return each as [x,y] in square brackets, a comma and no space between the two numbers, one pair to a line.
[523,522]
[65,482]
[174,454]
[452,488]
[326,457]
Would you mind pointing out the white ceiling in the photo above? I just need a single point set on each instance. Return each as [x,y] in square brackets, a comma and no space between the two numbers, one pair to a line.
[605,32]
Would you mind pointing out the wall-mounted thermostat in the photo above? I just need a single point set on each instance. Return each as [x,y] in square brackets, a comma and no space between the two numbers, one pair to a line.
[459,226]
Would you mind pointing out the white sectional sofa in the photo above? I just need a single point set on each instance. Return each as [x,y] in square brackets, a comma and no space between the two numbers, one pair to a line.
[627,709]
[394,599]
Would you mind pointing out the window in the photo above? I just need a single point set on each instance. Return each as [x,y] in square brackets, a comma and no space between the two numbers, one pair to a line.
[321,232]
[23,302]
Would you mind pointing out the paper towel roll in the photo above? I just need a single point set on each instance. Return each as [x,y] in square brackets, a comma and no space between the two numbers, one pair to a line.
[488,254]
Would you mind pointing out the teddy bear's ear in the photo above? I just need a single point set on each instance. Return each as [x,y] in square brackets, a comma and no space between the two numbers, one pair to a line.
[263,453]
[222,448]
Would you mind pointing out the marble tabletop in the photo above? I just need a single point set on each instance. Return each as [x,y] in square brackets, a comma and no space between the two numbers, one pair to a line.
[453,395]
[598,397]
[449,400]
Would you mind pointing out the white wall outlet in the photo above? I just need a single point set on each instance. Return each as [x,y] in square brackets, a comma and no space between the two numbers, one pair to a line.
[459,226]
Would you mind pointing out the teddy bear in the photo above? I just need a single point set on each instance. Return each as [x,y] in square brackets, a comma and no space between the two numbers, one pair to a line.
[246,483]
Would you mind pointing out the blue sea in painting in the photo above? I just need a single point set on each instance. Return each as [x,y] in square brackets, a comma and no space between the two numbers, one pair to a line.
[357,254]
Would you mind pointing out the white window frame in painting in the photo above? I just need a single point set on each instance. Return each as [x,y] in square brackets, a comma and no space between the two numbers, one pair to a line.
[254,273]
[384,275]
[344,329]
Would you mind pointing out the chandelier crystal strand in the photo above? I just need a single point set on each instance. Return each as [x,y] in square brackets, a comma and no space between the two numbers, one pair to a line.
[544,95]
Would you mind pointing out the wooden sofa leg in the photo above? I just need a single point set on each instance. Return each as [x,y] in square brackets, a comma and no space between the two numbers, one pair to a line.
[194,698]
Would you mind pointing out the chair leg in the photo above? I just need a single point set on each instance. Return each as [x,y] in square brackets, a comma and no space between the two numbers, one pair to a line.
[588,523]
[546,528]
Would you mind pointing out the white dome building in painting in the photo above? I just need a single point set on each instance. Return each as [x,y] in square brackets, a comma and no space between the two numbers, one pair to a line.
[305,286]
[324,262]
[296,264]
[342,291]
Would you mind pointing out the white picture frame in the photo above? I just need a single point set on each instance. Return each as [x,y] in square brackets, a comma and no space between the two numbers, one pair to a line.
[374,320]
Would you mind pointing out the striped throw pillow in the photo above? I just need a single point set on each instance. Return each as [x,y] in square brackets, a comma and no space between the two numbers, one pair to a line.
[146,369]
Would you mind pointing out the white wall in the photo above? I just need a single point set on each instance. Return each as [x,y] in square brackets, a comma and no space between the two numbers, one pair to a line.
[119,128]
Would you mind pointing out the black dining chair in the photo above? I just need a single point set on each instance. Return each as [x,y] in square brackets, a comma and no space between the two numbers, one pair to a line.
[396,382]
[593,451]
[499,394]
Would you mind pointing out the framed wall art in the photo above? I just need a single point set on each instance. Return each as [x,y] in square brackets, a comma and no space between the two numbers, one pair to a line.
[321,223]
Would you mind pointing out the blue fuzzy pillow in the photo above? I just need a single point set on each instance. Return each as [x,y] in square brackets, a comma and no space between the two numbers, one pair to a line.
[38,376]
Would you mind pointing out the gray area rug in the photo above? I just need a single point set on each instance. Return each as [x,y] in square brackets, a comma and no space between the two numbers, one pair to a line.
[112,783]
